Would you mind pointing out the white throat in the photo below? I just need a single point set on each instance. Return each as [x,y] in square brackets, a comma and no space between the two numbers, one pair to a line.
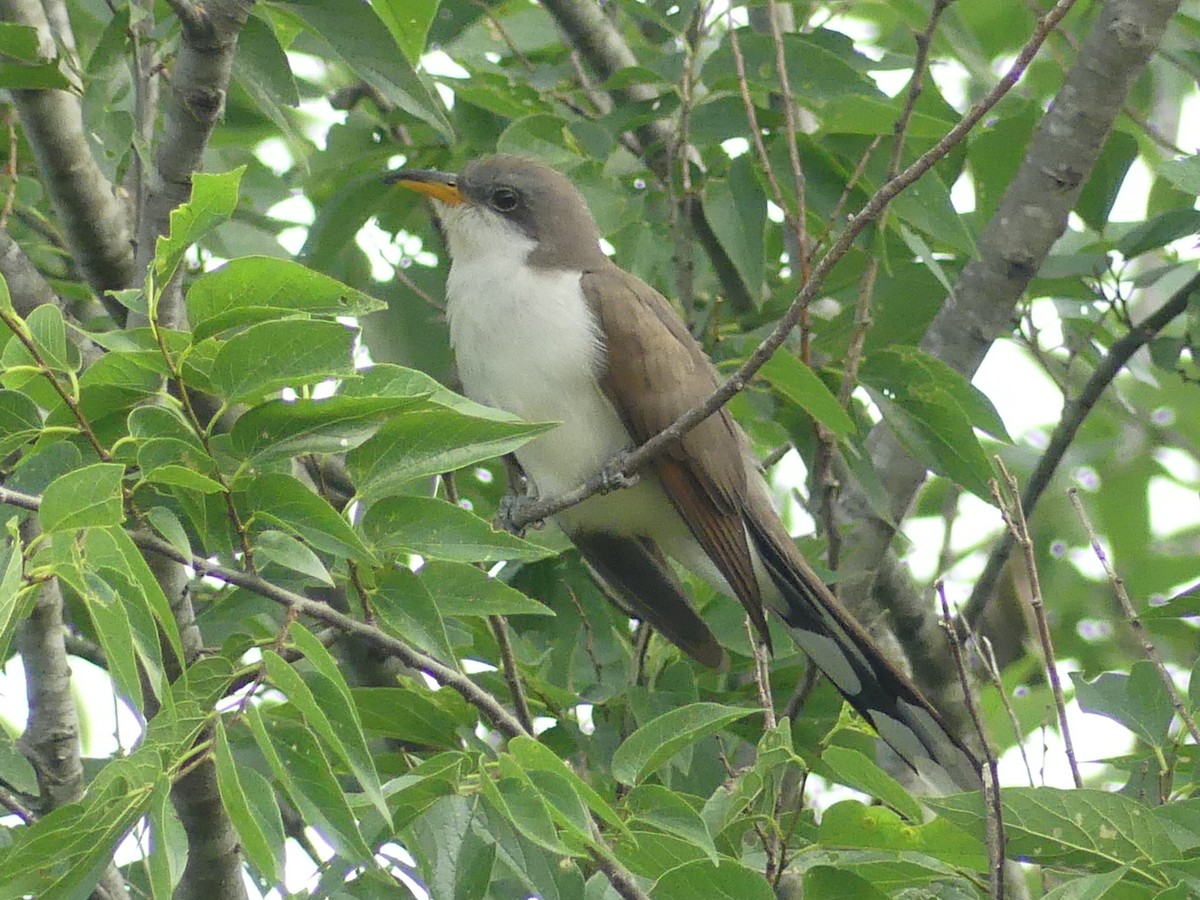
[526,341]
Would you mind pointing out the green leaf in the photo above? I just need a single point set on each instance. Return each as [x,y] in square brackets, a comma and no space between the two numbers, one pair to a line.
[535,756]
[331,691]
[726,880]
[927,206]
[859,114]
[651,854]
[457,862]
[262,68]
[355,33]
[1089,887]
[839,884]
[1082,828]
[44,77]
[112,550]
[819,66]
[459,590]
[300,766]
[253,289]
[429,442]
[406,609]
[214,198]
[1184,173]
[408,21]
[907,371]
[856,770]
[85,498]
[737,210]
[939,435]
[183,477]
[567,809]
[1096,200]
[851,823]
[544,136]
[284,550]
[282,501]
[412,716]
[653,745]
[254,842]
[1139,701]
[440,530]
[358,760]
[667,810]
[16,599]
[110,618]
[164,826]
[386,380]
[282,428]
[273,355]
[1162,229]
[20,42]
[516,800]
[167,524]
[18,414]
[800,384]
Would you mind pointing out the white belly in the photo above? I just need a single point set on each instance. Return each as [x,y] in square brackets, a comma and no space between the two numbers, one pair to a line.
[538,359]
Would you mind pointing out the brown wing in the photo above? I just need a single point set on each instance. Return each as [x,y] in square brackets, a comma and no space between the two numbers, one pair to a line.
[651,356]
[644,586]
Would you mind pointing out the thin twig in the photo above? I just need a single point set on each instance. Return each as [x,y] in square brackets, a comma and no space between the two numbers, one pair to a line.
[495,713]
[789,118]
[1014,517]
[10,801]
[620,469]
[499,626]
[512,675]
[988,658]
[400,275]
[13,174]
[18,327]
[762,680]
[993,812]
[1073,416]
[762,675]
[589,643]
[804,689]
[1135,623]
[760,149]
[824,479]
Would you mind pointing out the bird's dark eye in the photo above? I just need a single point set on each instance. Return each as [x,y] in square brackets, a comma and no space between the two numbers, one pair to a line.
[505,199]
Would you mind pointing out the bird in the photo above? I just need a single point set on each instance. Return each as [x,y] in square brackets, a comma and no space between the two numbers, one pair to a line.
[544,325]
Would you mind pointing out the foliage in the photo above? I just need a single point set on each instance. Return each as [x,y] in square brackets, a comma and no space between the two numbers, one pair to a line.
[255,440]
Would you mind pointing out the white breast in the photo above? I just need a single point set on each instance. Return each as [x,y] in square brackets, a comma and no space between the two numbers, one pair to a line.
[525,341]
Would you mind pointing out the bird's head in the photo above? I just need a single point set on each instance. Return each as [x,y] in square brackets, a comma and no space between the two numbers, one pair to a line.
[510,204]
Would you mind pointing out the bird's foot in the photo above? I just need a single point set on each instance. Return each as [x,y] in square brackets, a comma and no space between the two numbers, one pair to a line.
[513,511]
[613,476]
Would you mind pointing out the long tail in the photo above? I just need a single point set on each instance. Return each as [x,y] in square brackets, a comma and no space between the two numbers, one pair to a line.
[843,651]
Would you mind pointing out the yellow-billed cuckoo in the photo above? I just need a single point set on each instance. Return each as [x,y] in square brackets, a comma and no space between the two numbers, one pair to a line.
[545,326]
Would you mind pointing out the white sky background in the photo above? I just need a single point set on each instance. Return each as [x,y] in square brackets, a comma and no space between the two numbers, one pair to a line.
[1027,401]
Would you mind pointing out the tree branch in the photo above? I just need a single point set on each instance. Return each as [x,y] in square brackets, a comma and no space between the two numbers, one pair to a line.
[199,81]
[94,218]
[622,880]
[1073,416]
[1032,215]
[29,290]
[51,738]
